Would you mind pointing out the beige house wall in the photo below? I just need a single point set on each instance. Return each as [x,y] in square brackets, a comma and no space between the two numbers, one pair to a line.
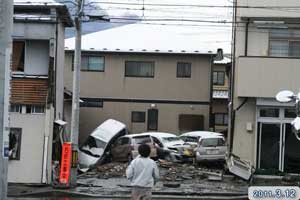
[180,95]
[165,85]
[168,116]
[244,141]
[265,11]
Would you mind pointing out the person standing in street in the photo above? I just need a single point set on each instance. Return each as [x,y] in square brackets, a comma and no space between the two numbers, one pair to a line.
[142,174]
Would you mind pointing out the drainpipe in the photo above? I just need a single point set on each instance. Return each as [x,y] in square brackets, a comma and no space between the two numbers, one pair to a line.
[211,94]
[246,37]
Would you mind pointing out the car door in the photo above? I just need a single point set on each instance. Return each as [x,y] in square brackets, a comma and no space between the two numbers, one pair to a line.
[115,150]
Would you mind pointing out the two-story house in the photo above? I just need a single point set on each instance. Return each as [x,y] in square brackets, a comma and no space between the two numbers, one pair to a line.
[150,77]
[267,60]
[36,87]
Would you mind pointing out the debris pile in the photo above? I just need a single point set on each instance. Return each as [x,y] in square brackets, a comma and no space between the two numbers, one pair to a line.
[109,170]
[177,172]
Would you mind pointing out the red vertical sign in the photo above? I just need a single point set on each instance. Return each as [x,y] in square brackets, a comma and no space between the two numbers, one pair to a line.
[65,168]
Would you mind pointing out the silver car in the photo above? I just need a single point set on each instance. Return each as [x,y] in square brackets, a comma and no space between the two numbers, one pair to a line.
[211,148]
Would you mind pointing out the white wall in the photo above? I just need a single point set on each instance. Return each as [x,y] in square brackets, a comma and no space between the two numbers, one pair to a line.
[33,31]
[29,168]
[36,57]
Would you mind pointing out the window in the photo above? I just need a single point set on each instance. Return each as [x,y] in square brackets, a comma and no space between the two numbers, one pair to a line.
[138,116]
[139,69]
[156,141]
[269,112]
[91,63]
[284,43]
[290,113]
[123,141]
[91,102]
[221,119]
[218,78]
[15,108]
[35,109]
[184,70]
[18,56]
[15,137]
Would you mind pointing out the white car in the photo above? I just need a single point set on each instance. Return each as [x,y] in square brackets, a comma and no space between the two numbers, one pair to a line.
[211,148]
[98,143]
[170,146]
[193,137]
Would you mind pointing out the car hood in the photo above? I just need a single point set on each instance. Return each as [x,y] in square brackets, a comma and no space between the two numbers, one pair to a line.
[174,144]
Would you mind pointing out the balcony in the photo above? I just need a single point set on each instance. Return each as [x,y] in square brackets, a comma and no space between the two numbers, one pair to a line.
[266,76]
[29,91]
[268,8]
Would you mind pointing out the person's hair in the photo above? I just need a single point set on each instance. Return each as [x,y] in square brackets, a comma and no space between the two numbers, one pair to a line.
[144,150]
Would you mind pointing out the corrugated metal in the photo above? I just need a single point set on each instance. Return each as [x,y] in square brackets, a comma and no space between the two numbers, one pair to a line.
[29,91]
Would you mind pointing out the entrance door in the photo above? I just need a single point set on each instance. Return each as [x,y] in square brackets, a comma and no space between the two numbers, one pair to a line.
[291,151]
[269,145]
[153,119]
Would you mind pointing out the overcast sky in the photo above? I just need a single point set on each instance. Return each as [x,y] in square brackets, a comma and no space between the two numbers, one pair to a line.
[189,16]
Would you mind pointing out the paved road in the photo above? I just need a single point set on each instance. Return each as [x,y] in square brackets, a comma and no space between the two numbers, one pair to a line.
[127,197]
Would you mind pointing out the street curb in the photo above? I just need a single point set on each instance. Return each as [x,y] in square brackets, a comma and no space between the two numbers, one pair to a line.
[179,195]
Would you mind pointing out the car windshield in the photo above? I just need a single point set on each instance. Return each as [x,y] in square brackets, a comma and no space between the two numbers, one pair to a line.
[171,139]
[142,140]
[190,139]
[92,144]
[212,142]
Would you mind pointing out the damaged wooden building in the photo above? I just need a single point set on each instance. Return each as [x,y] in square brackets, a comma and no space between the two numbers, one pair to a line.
[36,87]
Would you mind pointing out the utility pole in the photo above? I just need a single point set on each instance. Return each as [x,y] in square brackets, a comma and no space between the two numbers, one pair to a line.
[76,92]
[6,25]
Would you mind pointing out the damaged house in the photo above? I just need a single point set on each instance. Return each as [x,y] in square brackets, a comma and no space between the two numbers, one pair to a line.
[267,60]
[36,87]
[152,78]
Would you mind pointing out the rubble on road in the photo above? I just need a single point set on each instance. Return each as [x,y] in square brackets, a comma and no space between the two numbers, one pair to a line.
[106,171]
[177,172]
[109,170]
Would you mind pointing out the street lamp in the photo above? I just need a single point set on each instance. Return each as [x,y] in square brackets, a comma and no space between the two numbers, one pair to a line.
[287,96]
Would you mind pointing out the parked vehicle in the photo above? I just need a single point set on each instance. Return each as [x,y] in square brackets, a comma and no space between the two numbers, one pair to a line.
[193,137]
[126,147]
[211,148]
[171,147]
[94,149]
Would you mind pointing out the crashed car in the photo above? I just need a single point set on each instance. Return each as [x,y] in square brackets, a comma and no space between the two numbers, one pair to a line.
[126,147]
[95,149]
[211,148]
[171,147]
[193,137]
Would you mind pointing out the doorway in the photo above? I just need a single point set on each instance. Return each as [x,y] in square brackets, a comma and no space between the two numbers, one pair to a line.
[153,119]
[277,145]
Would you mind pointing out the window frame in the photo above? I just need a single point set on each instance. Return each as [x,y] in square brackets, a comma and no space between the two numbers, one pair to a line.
[15,106]
[189,64]
[89,70]
[18,154]
[23,57]
[217,83]
[89,103]
[142,120]
[139,76]
[287,38]
[224,123]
